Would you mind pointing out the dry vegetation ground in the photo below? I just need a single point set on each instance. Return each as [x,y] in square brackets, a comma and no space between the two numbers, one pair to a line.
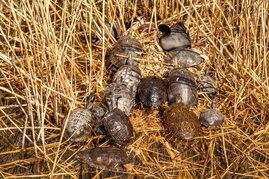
[48,66]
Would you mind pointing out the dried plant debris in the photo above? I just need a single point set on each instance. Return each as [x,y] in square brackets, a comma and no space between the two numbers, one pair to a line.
[180,123]
[106,158]
[211,117]
[152,91]
[127,51]
[119,96]
[174,37]
[110,30]
[182,87]
[128,75]
[118,127]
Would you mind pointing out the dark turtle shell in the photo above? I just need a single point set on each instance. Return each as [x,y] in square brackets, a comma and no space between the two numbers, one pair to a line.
[211,117]
[127,51]
[118,127]
[111,30]
[128,75]
[180,124]
[78,127]
[208,86]
[152,91]
[186,58]
[119,96]
[182,87]
[106,158]
[175,37]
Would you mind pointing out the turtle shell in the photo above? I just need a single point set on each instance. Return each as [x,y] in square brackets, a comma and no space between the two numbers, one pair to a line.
[182,87]
[208,86]
[186,58]
[119,96]
[118,127]
[126,51]
[128,75]
[152,91]
[78,127]
[175,37]
[180,124]
[106,158]
[211,117]
[112,30]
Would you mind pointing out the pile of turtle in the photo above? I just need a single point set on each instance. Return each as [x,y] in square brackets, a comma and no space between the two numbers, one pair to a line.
[179,89]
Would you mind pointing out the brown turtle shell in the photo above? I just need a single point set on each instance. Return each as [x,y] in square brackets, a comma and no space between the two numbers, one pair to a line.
[78,127]
[182,87]
[180,124]
[106,158]
[152,91]
[127,51]
[118,127]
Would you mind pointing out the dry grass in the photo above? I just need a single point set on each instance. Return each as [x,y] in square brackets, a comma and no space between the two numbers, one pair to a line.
[48,65]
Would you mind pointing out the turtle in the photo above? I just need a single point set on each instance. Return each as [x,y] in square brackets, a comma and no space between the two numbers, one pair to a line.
[212,116]
[185,58]
[127,51]
[118,127]
[117,95]
[105,158]
[174,37]
[79,124]
[152,91]
[180,124]
[207,85]
[182,87]
[128,75]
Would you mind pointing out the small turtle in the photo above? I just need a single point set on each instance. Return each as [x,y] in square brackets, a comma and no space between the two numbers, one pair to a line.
[211,117]
[175,37]
[118,127]
[119,96]
[180,124]
[106,158]
[208,86]
[152,91]
[186,58]
[111,30]
[128,75]
[182,87]
[79,123]
[127,51]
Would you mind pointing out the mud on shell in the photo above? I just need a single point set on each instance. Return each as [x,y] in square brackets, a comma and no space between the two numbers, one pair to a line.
[107,158]
[180,124]
[182,87]
[152,91]
[118,127]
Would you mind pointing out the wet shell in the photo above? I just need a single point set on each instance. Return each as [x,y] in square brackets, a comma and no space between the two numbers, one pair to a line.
[208,86]
[119,96]
[186,58]
[118,127]
[98,111]
[182,87]
[175,37]
[107,158]
[180,124]
[128,75]
[152,91]
[78,127]
[211,117]
[127,51]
